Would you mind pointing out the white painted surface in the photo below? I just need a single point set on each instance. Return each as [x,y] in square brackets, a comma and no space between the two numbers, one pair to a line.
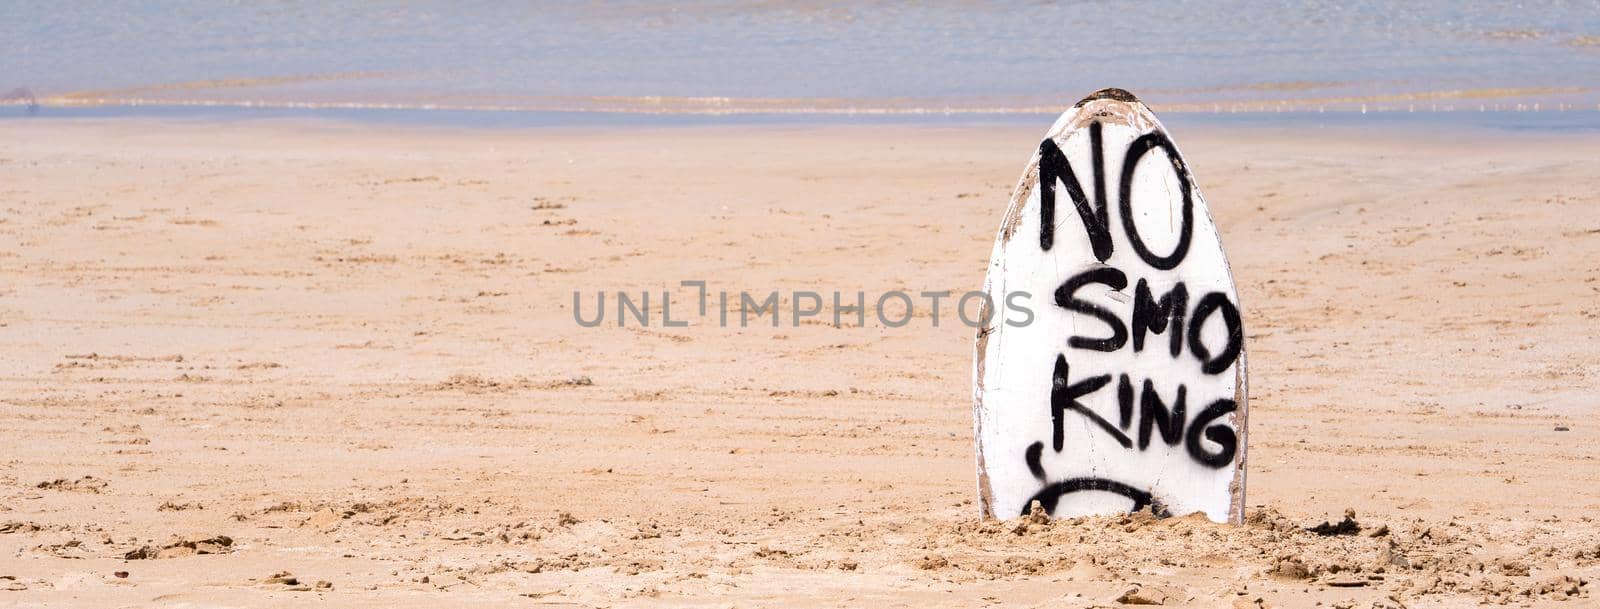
[1014,366]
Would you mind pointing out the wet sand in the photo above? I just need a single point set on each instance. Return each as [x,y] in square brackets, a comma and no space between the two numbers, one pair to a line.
[347,354]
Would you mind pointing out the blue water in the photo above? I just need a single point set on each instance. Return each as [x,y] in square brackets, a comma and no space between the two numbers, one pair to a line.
[807,58]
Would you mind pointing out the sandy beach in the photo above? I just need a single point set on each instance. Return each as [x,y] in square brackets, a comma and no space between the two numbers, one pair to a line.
[260,364]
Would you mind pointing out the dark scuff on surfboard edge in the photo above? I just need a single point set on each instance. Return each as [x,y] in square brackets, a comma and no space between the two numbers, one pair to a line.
[1121,95]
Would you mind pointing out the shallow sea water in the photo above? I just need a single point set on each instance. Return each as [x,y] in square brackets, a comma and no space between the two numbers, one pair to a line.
[771,59]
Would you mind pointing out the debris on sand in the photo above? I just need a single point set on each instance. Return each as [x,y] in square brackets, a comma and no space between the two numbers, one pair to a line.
[86,484]
[221,544]
[1348,526]
[1560,587]
[282,578]
[294,584]
[18,527]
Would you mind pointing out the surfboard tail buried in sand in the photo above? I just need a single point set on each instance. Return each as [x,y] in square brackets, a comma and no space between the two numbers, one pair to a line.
[1126,390]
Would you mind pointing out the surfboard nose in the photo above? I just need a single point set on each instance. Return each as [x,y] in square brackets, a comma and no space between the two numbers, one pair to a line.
[1110,105]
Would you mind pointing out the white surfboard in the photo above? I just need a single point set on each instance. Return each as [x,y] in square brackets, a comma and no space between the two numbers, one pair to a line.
[1125,388]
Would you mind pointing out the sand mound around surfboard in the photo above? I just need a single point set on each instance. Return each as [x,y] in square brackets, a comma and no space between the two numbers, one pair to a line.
[1414,559]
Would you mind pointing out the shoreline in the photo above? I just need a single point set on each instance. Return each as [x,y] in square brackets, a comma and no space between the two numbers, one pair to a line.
[1546,120]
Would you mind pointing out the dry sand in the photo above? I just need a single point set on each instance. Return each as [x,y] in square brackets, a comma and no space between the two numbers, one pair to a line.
[348,354]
